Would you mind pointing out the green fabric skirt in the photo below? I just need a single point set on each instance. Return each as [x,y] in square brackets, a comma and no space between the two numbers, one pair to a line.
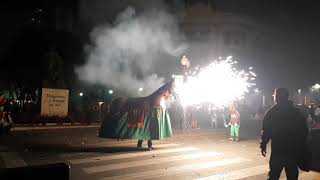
[137,124]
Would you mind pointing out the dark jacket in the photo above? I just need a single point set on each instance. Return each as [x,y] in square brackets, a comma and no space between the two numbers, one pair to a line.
[287,129]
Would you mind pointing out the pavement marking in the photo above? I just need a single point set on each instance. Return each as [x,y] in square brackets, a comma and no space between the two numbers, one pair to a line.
[77,154]
[239,174]
[12,159]
[113,144]
[108,144]
[109,167]
[121,144]
[133,154]
[178,169]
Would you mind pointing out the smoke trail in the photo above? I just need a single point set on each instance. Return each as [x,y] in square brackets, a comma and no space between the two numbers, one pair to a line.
[125,55]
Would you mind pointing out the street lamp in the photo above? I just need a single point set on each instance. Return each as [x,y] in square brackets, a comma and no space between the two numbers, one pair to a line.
[185,64]
[140,89]
[110,91]
[81,94]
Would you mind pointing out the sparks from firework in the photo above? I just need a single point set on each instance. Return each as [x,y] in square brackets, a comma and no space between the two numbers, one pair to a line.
[219,84]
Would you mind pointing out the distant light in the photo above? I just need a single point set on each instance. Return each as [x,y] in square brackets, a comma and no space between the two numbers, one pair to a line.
[299,91]
[140,89]
[229,57]
[256,90]
[81,94]
[317,86]
[110,91]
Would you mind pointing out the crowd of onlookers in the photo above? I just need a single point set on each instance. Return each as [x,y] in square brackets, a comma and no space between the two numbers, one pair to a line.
[193,117]
[311,114]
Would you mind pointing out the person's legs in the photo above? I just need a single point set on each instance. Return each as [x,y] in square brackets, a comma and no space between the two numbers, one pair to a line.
[216,123]
[212,122]
[150,145]
[292,171]
[9,127]
[232,132]
[1,129]
[139,145]
[236,132]
[276,166]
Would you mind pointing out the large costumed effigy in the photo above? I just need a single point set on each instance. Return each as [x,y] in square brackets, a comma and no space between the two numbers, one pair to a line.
[143,118]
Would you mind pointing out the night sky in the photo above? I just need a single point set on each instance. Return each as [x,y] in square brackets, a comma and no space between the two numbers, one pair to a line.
[23,40]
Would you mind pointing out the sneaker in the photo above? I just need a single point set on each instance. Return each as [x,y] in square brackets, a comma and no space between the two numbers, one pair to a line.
[231,139]
[237,140]
[150,148]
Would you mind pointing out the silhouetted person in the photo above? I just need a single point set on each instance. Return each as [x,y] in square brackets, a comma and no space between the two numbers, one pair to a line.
[285,126]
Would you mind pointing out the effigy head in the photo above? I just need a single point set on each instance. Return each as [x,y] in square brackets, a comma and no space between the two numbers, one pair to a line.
[232,108]
[168,88]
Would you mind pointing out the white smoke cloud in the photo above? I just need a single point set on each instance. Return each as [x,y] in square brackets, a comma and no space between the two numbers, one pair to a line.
[125,55]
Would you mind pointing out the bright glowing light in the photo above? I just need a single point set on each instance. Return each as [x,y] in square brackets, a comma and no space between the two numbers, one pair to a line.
[299,91]
[100,103]
[140,89]
[256,90]
[110,91]
[316,86]
[81,94]
[219,84]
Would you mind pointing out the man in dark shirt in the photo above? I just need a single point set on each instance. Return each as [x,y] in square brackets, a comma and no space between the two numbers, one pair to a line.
[285,126]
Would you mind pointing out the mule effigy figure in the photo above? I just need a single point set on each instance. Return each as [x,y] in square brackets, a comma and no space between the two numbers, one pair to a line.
[144,118]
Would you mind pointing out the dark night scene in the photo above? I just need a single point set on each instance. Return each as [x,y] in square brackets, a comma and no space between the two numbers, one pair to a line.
[160,89]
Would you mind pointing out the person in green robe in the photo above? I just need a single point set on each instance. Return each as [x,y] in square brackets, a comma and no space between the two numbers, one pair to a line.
[234,123]
[143,118]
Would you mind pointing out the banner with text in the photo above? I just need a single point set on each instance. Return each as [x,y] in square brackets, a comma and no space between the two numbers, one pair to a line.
[54,102]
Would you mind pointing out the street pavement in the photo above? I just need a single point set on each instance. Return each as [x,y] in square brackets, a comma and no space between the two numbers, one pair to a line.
[197,154]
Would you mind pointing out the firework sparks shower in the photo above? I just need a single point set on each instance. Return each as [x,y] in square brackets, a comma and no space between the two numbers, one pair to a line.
[219,84]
